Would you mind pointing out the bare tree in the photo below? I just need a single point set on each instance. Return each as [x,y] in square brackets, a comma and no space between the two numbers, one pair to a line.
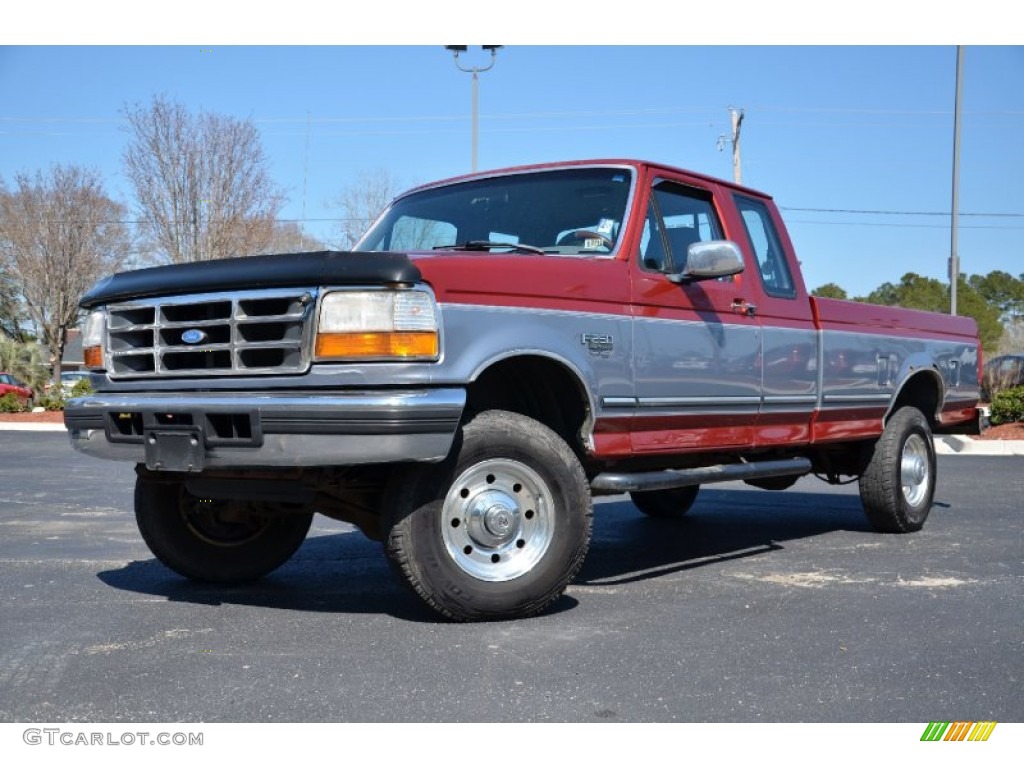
[289,237]
[362,202]
[58,235]
[201,182]
[1012,341]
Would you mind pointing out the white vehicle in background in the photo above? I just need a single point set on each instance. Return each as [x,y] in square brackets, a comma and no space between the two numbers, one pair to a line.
[68,379]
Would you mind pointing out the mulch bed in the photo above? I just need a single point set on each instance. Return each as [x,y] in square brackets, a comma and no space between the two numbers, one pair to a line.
[1013,431]
[53,417]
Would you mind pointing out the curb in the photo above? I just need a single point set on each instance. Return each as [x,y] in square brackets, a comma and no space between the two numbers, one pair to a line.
[960,445]
[31,426]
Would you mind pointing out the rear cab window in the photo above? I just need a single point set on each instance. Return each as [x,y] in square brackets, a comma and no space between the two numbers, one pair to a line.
[776,278]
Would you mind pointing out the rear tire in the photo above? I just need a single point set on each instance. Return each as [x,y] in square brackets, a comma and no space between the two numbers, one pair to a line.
[898,485]
[499,529]
[668,503]
[213,540]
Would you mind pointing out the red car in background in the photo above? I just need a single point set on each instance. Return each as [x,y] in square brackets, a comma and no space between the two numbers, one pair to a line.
[9,385]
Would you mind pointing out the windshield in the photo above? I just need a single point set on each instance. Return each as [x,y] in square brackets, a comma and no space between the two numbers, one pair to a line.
[575,211]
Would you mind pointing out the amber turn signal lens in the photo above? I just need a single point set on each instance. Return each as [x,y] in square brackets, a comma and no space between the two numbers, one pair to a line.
[401,344]
[93,357]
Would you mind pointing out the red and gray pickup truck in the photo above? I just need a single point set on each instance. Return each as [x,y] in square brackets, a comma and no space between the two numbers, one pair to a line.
[498,349]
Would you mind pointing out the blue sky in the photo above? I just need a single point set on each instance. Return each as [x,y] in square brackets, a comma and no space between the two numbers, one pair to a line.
[853,128]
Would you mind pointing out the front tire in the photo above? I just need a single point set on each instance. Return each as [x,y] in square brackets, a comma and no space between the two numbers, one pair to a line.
[898,485]
[215,540]
[499,529]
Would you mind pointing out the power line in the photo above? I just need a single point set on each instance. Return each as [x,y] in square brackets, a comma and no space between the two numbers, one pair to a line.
[303,220]
[898,213]
[863,111]
[905,226]
[710,110]
[301,119]
[140,222]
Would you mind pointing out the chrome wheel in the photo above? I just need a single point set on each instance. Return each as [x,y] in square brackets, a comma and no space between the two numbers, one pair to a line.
[914,470]
[498,530]
[496,520]
[898,484]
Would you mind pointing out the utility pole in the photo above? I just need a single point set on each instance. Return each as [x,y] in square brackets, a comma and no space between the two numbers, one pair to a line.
[736,115]
[954,256]
[305,176]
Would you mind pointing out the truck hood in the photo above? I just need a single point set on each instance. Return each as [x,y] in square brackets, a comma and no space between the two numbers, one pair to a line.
[253,272]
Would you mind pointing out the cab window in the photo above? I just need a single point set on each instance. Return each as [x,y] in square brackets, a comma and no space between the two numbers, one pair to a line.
[677,217]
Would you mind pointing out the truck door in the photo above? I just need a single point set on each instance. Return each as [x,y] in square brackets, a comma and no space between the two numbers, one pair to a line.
[789,357]
[697,353]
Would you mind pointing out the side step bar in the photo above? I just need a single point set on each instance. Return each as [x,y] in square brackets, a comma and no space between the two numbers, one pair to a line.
[622,482]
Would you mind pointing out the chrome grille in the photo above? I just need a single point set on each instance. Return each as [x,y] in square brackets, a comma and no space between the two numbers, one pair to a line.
[219,334]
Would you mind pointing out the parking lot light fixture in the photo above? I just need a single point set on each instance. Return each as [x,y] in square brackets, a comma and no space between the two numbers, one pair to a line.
[456,50]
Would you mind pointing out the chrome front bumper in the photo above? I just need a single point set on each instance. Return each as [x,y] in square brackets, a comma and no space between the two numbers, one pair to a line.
[196,430]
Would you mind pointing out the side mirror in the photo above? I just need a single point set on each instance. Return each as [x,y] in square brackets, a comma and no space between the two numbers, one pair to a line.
[710,260]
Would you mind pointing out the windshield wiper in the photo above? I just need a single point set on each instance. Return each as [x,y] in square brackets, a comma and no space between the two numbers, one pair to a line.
[486,245]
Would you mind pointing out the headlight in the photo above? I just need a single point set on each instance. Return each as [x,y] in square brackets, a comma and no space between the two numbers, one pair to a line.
[377,325]
[92,339]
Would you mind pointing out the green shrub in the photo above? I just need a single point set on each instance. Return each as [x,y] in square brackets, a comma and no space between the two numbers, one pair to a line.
[81,388]
[1008,406]
[11,403]
[52,400]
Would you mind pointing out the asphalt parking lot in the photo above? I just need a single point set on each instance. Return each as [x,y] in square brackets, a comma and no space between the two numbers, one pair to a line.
[758,606]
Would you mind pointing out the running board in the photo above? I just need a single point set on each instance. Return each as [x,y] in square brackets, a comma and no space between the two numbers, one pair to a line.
[622,482]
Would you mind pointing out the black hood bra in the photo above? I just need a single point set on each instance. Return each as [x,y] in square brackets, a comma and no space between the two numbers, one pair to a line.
[309,269]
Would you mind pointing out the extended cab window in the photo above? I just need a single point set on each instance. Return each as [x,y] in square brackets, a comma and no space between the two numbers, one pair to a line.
[771,259]
[677,217]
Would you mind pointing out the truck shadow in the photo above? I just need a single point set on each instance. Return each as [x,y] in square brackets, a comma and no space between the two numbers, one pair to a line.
[347,573]
[723,525]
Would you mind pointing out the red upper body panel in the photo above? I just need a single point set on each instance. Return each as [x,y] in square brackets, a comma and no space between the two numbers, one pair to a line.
[558,283]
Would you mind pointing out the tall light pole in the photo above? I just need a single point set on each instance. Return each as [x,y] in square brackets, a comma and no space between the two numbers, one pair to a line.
[954,256]
[456,50]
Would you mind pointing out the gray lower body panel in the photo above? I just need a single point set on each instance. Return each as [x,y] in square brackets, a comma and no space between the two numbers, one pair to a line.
[292,429]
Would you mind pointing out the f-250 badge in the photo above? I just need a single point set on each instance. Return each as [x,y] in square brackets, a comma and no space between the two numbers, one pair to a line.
[599,344]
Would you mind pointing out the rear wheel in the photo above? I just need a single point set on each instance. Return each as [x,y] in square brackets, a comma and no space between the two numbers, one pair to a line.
[215,540]
[898,485]
[671,502]
[498,530]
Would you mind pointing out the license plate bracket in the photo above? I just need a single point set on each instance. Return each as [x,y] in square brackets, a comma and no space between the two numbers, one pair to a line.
[175,449]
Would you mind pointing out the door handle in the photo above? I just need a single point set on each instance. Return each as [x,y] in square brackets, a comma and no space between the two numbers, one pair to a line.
[744,307]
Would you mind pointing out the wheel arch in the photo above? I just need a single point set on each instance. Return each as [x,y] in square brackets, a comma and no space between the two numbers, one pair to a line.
[541,386]
[923,390]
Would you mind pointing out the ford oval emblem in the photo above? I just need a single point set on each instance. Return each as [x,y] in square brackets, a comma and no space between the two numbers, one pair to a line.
[193,336]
